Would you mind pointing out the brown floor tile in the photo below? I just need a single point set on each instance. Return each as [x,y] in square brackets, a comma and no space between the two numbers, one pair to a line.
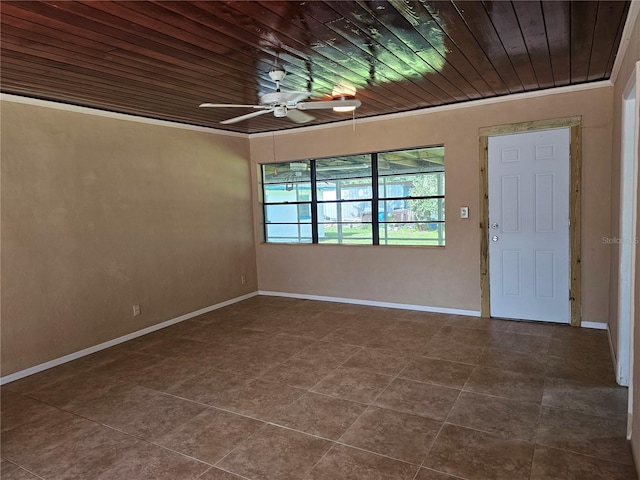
[251,361]
[16,410]
[172,371]
[344,463]
[276,453]
[593,345]
[320,415]
[66,447]
[25,444]
[431,401]
[328,354]
[42,379]
[517,342]
[428,474]
[394,434]
[532,328]
[153,462]
[74,392]
[526,363]
[298,372]
[553,464]
[463,321]
[501,383]
[581,369]
[10,471]
[353,384]
[479,456]
[313,327]
[508,418]
[129,368]
[98,359]
[601,437]
[468,336]
[171,346]
[210,435]
[259,398]
[140,411]
[185,329]
[438,372]
[378,361]
[453,351]
[356,335]
[409,329]
[585,397]
[208,387]
[217,474]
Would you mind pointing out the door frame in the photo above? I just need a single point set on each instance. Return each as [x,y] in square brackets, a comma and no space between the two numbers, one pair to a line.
[575,124]
[629,142]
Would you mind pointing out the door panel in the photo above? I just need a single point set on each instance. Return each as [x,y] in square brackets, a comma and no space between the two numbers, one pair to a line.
[529,261]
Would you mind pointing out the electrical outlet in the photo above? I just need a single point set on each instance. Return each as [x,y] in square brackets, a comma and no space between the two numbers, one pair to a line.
[464,212]
[136,310]
[243,278]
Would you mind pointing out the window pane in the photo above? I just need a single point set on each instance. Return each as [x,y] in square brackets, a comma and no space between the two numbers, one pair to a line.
[419,160]
[345,233]
[352,212]
[354,166]
[291,233]
[419,210]
[419,185]
[288,213]
[355,189]
[423,233]
[291,172]
[287,192]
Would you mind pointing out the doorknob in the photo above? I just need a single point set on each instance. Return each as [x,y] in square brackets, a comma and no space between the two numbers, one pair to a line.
[494,238]
[494,225]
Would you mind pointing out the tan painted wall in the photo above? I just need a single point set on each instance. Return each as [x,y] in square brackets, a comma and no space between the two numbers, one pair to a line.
[438,277]
[632,55]
[99,214]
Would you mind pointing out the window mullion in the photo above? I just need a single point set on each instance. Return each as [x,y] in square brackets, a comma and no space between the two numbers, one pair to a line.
[314,203]
[374,201]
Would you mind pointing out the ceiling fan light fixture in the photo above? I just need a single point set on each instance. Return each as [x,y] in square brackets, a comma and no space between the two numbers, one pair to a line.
[349,108]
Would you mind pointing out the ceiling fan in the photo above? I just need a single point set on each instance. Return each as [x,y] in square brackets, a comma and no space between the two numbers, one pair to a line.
[285,104]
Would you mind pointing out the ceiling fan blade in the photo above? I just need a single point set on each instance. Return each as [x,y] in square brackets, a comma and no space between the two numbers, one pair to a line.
[299,117]
[246,117]
[328,104]
[232,105]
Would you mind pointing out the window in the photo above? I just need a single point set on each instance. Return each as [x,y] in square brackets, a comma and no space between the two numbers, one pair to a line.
[388,198]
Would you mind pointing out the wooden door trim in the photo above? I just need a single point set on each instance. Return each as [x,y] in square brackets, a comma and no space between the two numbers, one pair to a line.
[575,124]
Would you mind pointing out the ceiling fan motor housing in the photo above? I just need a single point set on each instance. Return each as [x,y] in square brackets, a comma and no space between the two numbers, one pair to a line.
[280,111]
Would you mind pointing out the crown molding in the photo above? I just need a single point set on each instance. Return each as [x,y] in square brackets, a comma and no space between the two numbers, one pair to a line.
[443,108]
[8,97]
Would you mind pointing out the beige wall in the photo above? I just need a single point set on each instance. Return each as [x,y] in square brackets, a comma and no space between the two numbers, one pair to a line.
[439,277]
[632,55]
[99,214]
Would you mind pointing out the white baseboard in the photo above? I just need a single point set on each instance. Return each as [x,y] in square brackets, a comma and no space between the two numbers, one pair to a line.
[371,303]
[595,325]
[96,348]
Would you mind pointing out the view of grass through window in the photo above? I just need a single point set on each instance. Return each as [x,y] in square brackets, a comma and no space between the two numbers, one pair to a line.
[386,198]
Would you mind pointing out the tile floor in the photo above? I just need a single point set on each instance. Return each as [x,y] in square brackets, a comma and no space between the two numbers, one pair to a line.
[279,389]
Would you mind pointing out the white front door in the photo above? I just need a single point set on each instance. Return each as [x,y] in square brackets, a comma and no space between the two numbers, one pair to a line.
[529,261]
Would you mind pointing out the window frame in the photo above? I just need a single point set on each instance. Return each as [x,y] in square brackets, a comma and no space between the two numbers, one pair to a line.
[374,201]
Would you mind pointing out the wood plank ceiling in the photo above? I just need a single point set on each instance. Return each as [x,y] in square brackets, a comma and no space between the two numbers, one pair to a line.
[161,59]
